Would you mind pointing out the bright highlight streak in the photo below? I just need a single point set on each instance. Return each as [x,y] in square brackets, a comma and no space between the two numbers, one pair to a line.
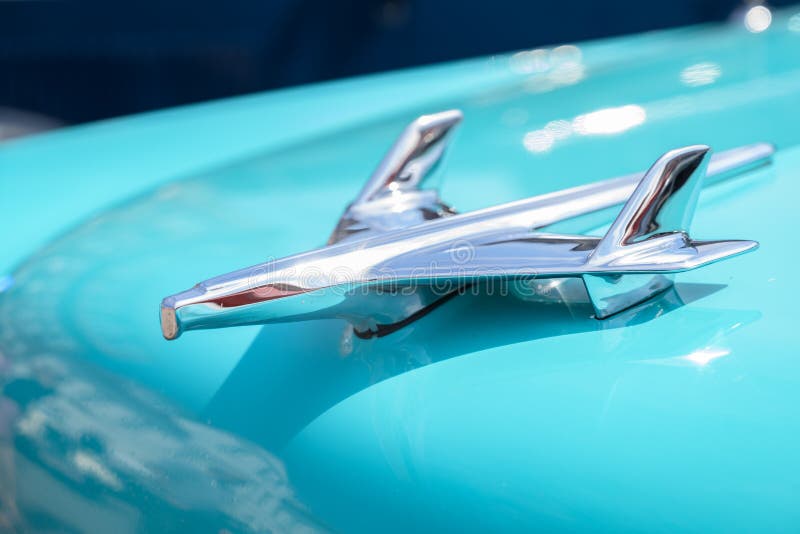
[701,74]
[538,141]
[705,356]
[757,19]
[609,120]
[601,122]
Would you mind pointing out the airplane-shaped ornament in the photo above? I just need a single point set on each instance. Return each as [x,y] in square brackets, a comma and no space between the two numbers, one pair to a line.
[398,249]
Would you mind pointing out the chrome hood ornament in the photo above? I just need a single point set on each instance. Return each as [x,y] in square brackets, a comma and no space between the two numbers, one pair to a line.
[398,249]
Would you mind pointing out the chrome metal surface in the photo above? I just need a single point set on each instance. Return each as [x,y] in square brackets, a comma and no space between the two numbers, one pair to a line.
[389,277]
[393,196]
[655,222]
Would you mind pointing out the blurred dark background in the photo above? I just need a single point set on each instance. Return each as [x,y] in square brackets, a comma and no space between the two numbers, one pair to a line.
[76,62]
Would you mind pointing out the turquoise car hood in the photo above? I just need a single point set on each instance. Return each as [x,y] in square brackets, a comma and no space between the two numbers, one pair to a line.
[488,413]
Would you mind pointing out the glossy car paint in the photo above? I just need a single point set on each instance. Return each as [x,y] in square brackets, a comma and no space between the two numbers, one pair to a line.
[489,413]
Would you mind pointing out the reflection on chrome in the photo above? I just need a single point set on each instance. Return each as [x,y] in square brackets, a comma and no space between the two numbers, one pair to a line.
[757,19]
[701,74]
[601,122]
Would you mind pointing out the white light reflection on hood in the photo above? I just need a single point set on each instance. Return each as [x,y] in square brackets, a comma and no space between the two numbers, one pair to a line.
[605,121]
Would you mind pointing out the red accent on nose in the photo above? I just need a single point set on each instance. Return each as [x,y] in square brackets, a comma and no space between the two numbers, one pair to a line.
[259,294]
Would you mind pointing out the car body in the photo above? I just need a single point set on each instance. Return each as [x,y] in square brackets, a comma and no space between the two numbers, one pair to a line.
[488,413]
